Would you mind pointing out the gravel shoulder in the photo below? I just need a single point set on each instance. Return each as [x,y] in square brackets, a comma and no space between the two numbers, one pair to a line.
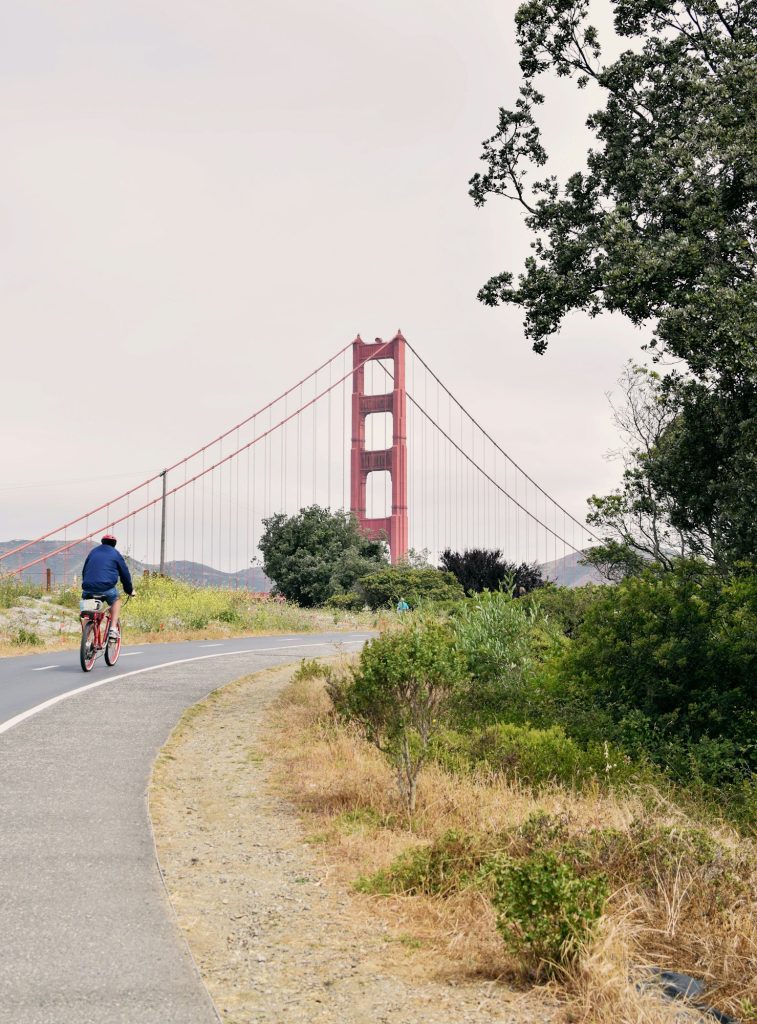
[274,935]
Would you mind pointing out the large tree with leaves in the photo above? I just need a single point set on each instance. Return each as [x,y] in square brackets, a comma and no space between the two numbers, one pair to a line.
[659,225]
[317,553]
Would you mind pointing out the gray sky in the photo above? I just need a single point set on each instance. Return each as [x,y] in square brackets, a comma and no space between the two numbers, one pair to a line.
[199,200]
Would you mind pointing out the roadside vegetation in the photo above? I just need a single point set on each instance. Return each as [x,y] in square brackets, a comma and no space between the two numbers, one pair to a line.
[163,610]
[530,818]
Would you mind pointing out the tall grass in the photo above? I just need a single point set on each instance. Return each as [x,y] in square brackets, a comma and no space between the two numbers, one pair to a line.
[12,589]
[163,604]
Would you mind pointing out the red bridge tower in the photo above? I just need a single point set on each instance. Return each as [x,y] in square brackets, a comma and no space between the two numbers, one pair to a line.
[392,460]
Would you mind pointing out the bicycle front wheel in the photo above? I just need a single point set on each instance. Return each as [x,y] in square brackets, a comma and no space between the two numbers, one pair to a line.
[112,650]
[87,651]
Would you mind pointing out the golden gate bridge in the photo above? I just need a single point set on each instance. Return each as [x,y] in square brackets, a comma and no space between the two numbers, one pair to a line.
[373,430]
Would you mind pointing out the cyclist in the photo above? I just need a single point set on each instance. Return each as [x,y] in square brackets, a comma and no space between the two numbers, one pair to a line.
[103,567]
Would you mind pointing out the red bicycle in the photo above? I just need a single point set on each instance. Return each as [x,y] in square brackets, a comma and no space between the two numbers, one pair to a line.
[95,633]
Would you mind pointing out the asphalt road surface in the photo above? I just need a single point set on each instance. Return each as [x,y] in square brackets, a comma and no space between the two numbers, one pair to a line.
[32,680]
[87,935]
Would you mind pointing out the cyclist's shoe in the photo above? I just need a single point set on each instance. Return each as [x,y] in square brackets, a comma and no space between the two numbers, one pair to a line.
[113,634]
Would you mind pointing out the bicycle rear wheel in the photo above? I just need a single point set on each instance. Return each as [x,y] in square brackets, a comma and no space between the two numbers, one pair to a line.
[87,651]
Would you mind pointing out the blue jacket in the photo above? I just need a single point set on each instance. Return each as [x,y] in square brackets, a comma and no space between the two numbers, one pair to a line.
[103,567]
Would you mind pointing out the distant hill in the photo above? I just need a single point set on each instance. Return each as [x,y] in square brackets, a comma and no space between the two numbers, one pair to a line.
[565,571]
[65,567]
[568,573]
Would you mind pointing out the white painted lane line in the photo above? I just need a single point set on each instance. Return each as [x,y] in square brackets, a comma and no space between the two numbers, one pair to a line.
[211,645]
[130,654]
[17,719]
[44,668]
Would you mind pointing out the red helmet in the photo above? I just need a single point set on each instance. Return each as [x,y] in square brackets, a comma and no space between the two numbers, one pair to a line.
[109,539]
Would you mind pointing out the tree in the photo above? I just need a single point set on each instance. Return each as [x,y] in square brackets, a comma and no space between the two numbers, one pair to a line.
[477,569]
[400,692]
[317,553]
[659,226]
[637,518]
[681,493]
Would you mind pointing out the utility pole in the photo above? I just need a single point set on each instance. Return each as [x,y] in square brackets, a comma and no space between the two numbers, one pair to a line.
[163,526]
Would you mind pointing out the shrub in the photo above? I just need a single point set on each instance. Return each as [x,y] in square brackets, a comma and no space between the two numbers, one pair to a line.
[349,602]
[503,642]
[540,756]
[400,692]
[311,668]
[494,633]
[479,569]
[671,660]
[545,912]
[532,757]
[447,865]
[68,597]
[384,588]
[564,607]
[26,638]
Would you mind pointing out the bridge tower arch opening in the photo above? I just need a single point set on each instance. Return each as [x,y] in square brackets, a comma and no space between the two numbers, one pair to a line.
[392,460]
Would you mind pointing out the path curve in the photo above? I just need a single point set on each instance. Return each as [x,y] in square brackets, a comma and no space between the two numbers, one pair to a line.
[87,934]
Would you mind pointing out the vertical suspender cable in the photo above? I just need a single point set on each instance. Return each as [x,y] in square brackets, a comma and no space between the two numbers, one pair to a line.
[329,443]
[344,435]
[300,488]
[254,503]
[247,551]
[315,442]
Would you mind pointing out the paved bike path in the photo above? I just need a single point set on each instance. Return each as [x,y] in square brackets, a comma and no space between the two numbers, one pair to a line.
[87,934]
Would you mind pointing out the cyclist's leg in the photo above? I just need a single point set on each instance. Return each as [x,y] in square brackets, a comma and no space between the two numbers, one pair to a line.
[114,600]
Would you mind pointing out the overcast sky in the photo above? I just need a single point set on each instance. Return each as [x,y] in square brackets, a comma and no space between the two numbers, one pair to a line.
[197,200]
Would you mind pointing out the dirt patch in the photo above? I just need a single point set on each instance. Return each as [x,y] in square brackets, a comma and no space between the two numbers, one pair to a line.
[276,936]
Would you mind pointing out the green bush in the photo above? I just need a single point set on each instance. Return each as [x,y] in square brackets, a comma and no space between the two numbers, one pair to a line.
[26,638]
[349,602]
[494,632]
[670,660]
[532,757]
[68,597]
[384,588]
[447,865]
[311,668]
[537,757]
[504,643]
[546,912]
[400,694]
[643,854]
[564,607]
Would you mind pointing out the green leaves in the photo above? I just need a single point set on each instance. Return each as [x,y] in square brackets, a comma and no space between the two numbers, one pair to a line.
[672,658]
[316,553]
[661,226]
[401,692]
[384,587]
[545,911]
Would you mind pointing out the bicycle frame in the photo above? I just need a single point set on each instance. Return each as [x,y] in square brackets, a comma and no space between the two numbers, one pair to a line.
[101,625]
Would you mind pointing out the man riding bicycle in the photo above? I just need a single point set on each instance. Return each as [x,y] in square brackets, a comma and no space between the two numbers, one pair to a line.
[103,567]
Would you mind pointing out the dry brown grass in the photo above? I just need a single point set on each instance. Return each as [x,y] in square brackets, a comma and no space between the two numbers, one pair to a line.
[683,892]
